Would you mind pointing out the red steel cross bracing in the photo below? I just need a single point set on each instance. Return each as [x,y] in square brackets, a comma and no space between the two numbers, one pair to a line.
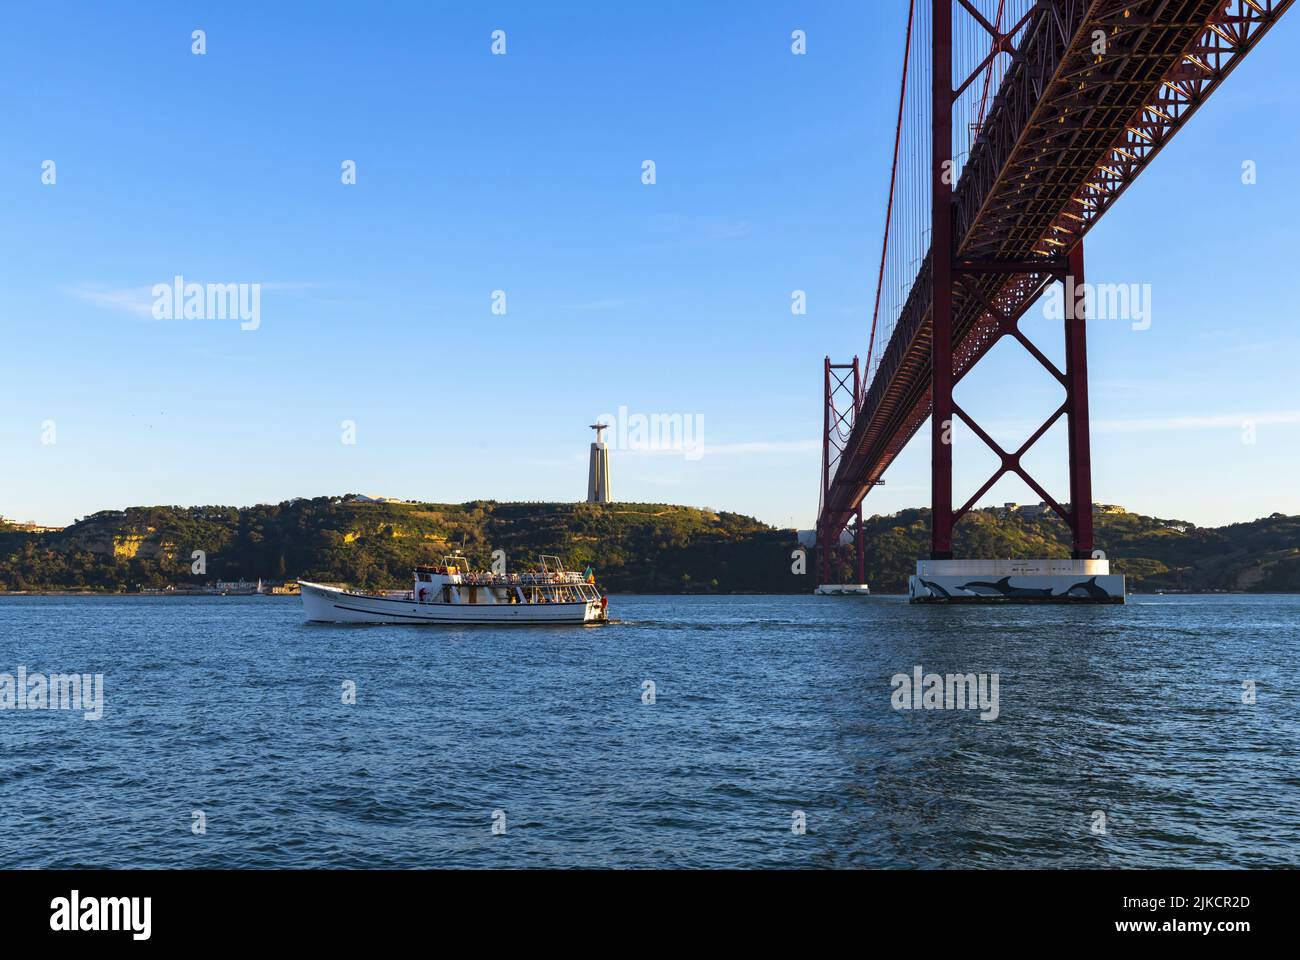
[953,279]
[1088,92]
[842,399]
[1075,406]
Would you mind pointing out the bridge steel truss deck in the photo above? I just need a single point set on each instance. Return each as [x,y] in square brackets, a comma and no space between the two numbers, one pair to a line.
[1068,131]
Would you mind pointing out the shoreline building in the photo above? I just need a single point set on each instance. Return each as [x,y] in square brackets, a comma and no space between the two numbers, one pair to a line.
[598,469]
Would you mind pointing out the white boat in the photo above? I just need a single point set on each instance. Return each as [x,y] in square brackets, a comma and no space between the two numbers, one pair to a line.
[452,593]
[843,590]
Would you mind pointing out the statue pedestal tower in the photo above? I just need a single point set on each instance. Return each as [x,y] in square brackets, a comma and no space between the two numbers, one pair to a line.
[598,471]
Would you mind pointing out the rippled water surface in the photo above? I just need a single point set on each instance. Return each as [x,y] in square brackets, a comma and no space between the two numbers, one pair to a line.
[764,706]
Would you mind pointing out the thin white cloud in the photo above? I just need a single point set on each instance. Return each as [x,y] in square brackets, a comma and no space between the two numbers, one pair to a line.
[137,301]
[599,306]
[747,449]
[1013,432]
[1221,421]
[725,449]
[292,285]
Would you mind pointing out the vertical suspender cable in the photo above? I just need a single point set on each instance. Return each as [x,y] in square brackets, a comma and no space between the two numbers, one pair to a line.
[988,74]
[893,180]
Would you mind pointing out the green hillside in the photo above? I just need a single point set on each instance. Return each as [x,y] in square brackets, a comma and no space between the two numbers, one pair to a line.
[1156,554]
[635,547]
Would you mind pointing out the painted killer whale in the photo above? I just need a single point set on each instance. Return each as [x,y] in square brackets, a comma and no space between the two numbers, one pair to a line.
[1090,589]
[1003,587]
[935,589]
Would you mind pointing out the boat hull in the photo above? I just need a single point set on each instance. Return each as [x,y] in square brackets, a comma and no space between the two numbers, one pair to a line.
[322,604]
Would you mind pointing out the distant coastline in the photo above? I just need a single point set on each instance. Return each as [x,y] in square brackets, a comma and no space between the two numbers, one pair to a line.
[901,594]
[635,548]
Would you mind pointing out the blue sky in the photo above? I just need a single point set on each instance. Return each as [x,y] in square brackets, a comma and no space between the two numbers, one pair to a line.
[523,173]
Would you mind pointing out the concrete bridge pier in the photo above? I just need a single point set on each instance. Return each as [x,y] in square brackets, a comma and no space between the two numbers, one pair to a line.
[1015,581]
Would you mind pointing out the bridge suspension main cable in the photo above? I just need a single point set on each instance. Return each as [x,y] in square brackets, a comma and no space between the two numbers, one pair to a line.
[893,183]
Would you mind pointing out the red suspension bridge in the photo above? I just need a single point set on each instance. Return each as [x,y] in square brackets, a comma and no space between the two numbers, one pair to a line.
[1020,122]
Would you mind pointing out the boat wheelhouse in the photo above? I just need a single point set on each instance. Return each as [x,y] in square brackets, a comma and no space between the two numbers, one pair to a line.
[452,592]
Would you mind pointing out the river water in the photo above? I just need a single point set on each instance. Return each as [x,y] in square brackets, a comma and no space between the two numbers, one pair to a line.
[696,732]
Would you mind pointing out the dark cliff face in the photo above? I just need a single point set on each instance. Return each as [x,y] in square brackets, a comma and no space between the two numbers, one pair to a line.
[649,548]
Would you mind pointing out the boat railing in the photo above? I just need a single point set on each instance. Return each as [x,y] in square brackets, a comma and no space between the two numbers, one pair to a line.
[520,579]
